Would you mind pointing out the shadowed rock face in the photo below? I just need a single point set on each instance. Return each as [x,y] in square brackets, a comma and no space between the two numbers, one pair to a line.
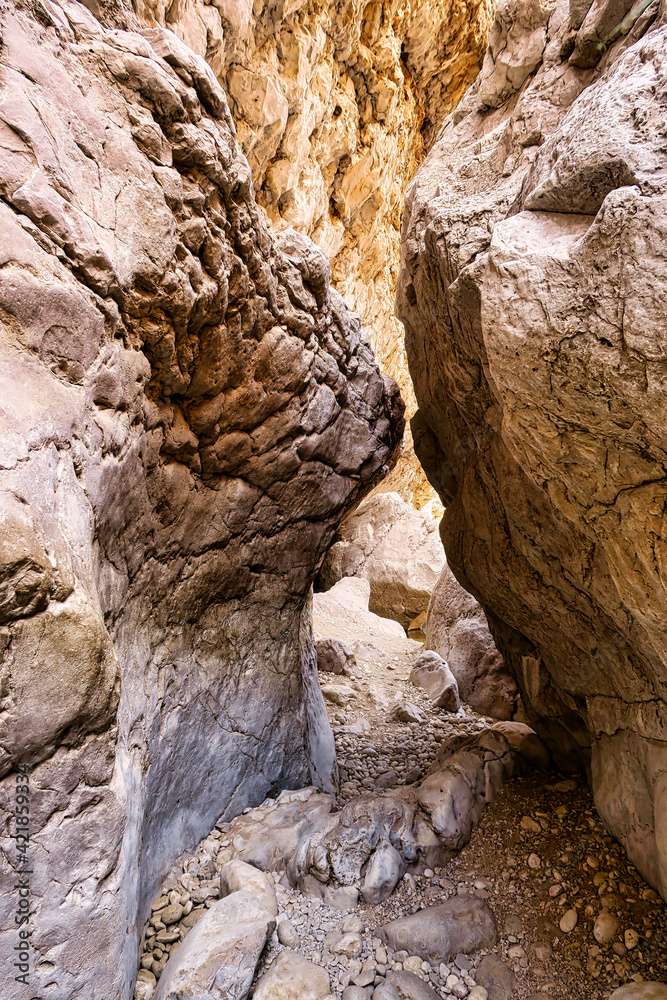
[187,410]
[335,104]
[533,277]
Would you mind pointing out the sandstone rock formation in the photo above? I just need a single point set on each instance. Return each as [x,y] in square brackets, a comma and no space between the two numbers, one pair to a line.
[393,546]
[334,104]
[457,629]
[188,409]
[532,289]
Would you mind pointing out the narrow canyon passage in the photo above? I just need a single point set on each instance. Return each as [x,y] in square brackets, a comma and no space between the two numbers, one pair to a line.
[332,499]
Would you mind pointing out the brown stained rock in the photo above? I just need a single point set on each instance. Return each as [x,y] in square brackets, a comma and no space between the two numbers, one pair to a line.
[533,265]
[335,106]
[335,657]
[188,410]
[641,991]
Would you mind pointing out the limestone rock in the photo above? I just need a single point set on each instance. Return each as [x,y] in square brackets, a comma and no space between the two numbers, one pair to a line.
[438,933]
[292,977]
[496,977]
[457,629]
[145,985]
[641,991]
[405,711]
[532,269]
[335,106]
[384,870]
[466,776]
[188,411]
[335,657]
[410,987]
[218,957]
[382,832]
[238,875]
[393,546]
[526,742]
[432,673]
[342,612]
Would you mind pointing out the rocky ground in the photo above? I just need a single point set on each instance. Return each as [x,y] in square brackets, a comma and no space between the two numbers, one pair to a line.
[574,917]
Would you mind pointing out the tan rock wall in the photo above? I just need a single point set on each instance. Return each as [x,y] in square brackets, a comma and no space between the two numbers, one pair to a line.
[532,288]
[187,410]
[335,104]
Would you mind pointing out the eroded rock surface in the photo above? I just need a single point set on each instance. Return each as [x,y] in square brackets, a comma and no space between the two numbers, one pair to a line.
[531,289]
[334,105]
[187,410]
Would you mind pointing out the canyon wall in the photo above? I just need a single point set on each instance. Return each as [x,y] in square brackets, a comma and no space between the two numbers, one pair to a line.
[533,289]
[334,104]
[187,410]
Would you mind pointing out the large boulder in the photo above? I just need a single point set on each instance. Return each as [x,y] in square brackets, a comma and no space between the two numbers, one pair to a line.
[335,657]
[393,546]
[188,410]
[532,287]
[292,977]
[432,673]
[218,958]
[343,612]
[439,933]
[457,629]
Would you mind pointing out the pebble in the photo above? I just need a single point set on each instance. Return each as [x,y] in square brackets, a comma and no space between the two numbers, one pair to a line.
[287,934]
[569,921]
[413,964]
[606,928]
[631,938]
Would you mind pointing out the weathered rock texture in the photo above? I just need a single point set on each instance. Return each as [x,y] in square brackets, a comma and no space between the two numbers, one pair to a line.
[533,289]
[457,629]
[187,409]
[393,546]
[334,103]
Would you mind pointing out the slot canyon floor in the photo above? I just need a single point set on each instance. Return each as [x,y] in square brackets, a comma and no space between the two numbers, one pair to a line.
[540,857]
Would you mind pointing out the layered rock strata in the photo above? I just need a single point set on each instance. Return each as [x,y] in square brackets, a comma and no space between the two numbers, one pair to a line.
[532,289]
[187,410]
[334,105]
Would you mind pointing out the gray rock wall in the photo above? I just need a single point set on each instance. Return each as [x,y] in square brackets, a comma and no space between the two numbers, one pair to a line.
[186,411]
[532,288]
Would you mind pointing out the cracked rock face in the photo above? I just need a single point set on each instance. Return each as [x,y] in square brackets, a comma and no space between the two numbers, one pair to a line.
[532,289]
[334,105]
[187,411]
